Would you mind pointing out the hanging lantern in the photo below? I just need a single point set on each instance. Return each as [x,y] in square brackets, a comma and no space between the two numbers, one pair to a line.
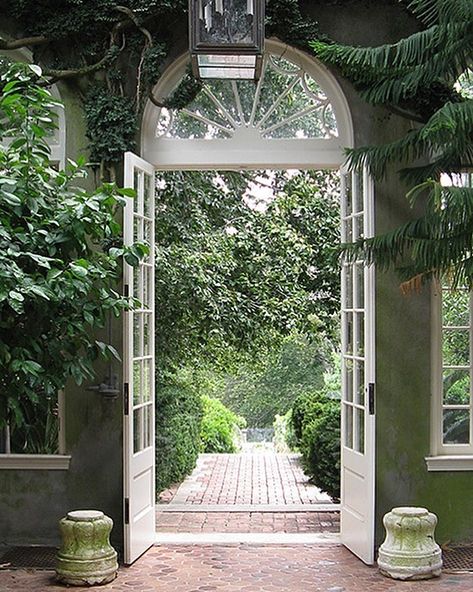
[227,38]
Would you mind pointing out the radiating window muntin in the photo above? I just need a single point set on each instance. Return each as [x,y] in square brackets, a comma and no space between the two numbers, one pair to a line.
[286,103]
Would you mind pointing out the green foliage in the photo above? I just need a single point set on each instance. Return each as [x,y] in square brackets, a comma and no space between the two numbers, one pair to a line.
[178,425]
[111,125]
[284,438]
[55,273]
[439,242]
[316,431]
[270,388]
[285,21]
[232,276]
[219,429]
[320,449]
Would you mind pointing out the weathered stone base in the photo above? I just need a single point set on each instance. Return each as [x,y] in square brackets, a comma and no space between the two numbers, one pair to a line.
[410,567]
[76,572]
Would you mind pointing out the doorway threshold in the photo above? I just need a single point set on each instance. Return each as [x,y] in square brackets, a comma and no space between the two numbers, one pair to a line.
[289,508]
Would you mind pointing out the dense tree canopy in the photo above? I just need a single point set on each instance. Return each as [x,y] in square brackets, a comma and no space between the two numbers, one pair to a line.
[234,276]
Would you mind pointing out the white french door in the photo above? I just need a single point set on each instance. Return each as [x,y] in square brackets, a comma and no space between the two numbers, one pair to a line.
[139,365]
[358,374]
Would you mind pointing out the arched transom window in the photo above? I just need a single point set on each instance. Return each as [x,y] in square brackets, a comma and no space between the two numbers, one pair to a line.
[294,117]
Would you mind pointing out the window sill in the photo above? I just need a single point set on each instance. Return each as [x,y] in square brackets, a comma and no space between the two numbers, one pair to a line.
[450,463]
[36,462]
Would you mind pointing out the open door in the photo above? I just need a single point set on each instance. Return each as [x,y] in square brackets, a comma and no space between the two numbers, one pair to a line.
[139,366]
[358,374]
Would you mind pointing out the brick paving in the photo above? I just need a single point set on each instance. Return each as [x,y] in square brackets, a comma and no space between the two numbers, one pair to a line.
[248,479]
[248,522]
[246,568]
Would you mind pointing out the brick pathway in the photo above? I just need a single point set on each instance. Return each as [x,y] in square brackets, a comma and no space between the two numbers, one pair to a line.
[248,522]
[245,568]
[248,479]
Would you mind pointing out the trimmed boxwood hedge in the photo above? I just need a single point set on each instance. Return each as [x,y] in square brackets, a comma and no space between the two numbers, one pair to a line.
[316,424]
[178,421]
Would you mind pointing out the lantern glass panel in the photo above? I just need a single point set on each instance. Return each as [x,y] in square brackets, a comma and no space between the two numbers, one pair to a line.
[226,22]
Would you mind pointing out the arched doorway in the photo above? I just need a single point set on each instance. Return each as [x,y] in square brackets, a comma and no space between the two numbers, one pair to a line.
[296,117]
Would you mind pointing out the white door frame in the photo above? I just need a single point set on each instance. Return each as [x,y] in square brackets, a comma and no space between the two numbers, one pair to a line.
[193,154]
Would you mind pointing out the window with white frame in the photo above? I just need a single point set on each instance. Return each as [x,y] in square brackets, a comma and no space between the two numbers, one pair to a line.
[452,364]
[39,443]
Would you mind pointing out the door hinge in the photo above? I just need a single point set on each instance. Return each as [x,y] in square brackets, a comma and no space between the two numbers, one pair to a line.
[127,510]
[126,398]
[126,291]
[371,398]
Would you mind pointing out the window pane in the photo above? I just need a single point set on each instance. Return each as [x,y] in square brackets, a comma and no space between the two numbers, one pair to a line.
[456,426]
[456,347]
[456,387]
[147,334]
[147,195]
[136,184]
[455,308]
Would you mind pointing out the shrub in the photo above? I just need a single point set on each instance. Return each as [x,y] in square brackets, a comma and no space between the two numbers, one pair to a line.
[178,423]
[316,425]
[320,449]
[308,407]
[219,430]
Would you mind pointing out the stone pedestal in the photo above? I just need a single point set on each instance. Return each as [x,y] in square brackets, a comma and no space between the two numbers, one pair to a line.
[409,551]
[86,557]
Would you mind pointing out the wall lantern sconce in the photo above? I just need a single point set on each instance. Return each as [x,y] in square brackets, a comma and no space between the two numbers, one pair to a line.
[226,38]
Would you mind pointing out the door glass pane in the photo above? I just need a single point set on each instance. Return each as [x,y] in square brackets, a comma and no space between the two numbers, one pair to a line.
[348,371]
[359,382]
[137,429]
[137,284]
[358,193]
[136,185]
[358,227]
[348,426]
[348,195]
[147,231]
[359,285]
[147,195]
[349,333]
[137,334]
[147,334]
[137,385]
[456,387]
[360,430]
[359,334]
[456,426]
[146,380]
[348,278]
[146,287]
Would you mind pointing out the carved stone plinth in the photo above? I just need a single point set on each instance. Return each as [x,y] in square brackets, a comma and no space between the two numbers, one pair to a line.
[86,557]
[409,551]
